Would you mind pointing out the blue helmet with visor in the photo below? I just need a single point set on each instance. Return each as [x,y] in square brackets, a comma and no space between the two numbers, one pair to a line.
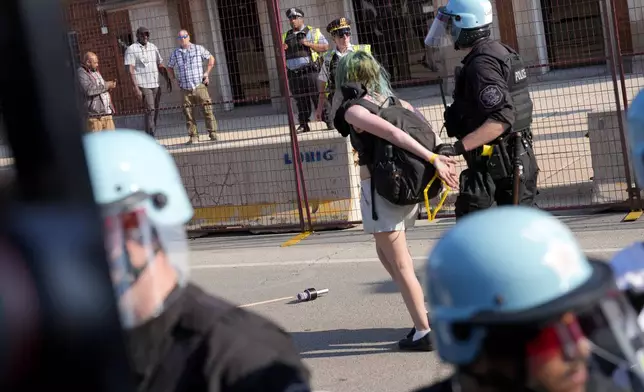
[460,24]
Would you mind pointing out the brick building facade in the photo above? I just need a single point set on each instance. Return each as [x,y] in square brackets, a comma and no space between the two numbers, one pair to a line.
[108,34]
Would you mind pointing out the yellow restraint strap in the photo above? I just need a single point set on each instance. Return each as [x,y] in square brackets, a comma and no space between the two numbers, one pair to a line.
[431,214]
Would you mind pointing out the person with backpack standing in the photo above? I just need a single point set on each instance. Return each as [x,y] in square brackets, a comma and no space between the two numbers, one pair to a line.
[364,83]
[492,106]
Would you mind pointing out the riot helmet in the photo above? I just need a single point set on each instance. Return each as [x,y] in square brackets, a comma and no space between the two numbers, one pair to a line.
[519,308]
[460,24]
[144,207]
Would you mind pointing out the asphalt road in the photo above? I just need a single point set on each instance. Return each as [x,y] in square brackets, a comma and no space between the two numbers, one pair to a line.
[348,337]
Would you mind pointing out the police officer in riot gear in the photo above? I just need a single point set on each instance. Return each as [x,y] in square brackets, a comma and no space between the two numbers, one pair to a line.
[628,267]
[179,338]
[517,308]
[303,45]
[492,106]
[628,264]
[340,30]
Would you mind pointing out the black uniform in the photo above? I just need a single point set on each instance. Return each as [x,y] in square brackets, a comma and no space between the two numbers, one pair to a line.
[493,84]
[303,80]
[201,343]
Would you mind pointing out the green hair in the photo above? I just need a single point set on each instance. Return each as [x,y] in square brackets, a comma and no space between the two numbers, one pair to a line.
[362,67]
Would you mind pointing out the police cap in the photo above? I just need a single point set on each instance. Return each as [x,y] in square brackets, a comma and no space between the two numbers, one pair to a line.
[294,13]
[338,24]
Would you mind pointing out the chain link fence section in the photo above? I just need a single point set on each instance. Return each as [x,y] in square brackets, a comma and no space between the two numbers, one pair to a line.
[264,173]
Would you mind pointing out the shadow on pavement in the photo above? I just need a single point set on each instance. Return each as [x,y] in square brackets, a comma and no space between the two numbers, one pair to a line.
[388,286]
[347,342]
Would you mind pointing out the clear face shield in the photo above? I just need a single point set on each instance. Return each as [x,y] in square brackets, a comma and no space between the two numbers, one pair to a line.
[442,32]
[147,262]
[606,335]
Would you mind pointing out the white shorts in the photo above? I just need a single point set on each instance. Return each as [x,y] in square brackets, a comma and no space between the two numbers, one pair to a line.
[391,217]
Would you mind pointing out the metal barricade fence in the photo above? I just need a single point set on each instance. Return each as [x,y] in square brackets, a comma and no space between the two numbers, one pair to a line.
[583,56]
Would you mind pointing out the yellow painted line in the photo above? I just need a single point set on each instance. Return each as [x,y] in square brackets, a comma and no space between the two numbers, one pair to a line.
[296,239]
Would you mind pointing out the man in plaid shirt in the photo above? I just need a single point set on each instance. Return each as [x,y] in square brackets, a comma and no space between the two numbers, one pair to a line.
[186,66]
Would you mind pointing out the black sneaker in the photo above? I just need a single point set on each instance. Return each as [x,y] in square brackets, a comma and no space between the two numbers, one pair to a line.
[422,344]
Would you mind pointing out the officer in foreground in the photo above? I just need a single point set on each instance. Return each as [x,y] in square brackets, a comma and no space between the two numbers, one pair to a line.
[628,268]
[628,264]
[522,318]
[179,338]
[302,47]
[492,105]
[340,30]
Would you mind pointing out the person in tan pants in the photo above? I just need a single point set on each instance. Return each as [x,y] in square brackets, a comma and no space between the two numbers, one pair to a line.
[97,99]
[186,66]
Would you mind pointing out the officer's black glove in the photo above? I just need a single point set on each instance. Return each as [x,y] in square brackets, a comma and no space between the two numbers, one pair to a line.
[450,150]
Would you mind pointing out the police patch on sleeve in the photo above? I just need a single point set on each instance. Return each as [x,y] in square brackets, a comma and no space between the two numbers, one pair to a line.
[490,96]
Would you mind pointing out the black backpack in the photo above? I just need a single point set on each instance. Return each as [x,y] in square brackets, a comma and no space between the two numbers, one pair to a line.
[398,175]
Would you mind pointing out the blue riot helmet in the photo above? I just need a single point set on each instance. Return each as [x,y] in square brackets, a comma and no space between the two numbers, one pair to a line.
[635,136]
[524,295]
[460,23]
[145,207]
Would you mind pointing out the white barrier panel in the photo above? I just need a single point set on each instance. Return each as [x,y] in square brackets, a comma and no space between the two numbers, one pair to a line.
[609,177]
[251,183]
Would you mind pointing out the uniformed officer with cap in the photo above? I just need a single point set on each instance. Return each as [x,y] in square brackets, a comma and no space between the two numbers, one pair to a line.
[302,45]
[340,30]
[492,106]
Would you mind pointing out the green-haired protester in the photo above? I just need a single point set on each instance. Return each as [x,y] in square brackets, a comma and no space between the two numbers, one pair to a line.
[359,77]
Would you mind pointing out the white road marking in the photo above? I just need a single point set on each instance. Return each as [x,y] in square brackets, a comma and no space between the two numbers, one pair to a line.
[268,301]
[338,261]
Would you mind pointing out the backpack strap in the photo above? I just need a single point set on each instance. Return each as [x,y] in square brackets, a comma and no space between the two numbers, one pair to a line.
[370,106]
[375,109]
[394,100]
